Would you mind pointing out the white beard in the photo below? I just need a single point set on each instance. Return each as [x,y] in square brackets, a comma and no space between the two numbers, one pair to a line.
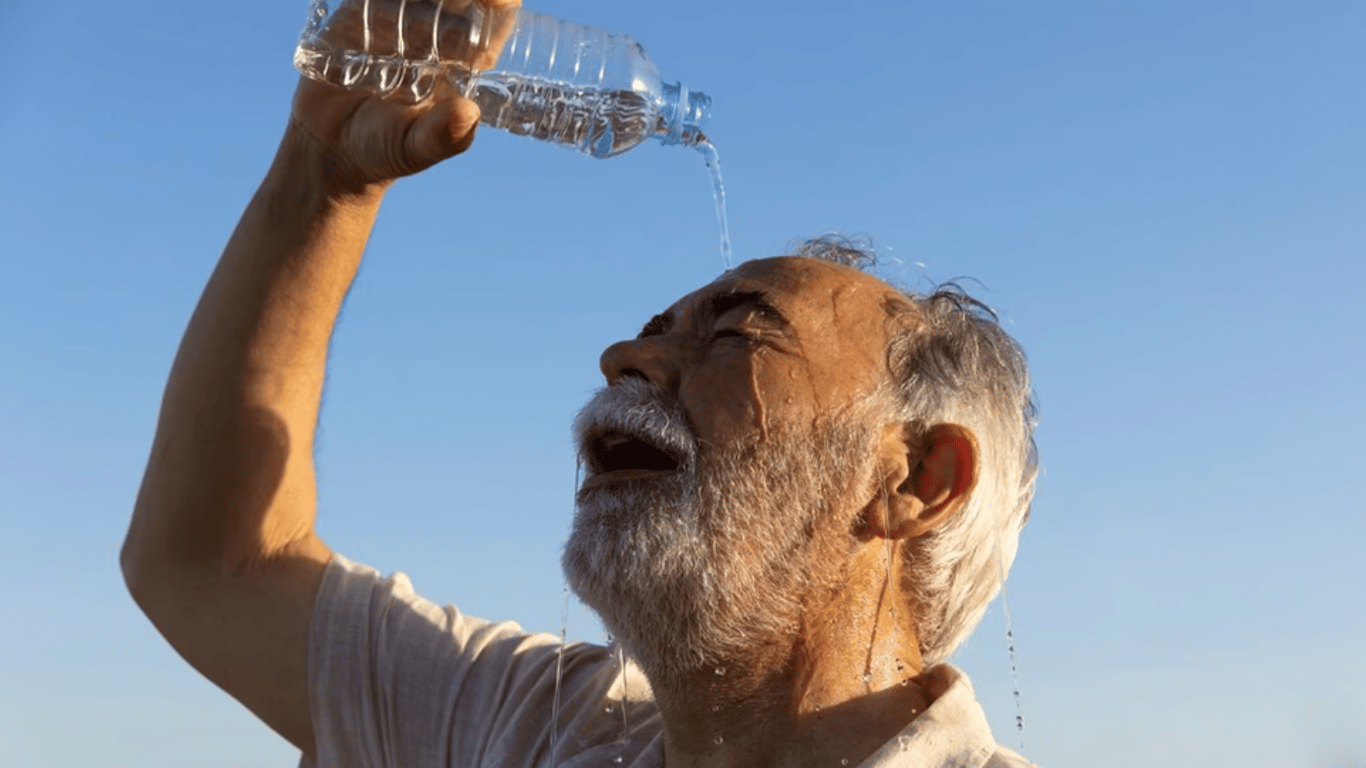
[710,562]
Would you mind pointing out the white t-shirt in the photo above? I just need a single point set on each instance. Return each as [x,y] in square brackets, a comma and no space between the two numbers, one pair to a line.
[396,681]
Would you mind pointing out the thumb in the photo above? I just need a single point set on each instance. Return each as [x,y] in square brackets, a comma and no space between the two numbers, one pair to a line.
[445,130]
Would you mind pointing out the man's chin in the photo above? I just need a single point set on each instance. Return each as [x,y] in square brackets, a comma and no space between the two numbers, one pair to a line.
[641,567]
[665,644]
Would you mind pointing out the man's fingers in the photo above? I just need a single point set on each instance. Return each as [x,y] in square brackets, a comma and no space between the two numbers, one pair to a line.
[447,129]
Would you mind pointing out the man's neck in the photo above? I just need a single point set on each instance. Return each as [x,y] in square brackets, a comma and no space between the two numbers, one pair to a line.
[840,690]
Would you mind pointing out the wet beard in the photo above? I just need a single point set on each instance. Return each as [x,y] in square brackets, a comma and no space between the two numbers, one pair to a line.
[706,565]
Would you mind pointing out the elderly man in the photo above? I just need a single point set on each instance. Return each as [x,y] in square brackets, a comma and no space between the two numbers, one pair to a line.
[803,489]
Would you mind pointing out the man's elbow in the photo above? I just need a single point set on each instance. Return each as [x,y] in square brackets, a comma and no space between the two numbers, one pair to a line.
[141,574]
[155,570]
[130,565]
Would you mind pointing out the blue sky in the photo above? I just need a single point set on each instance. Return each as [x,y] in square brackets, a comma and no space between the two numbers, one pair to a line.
[1166,202]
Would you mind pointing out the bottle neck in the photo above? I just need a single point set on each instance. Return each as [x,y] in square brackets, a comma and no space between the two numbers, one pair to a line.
[682,115]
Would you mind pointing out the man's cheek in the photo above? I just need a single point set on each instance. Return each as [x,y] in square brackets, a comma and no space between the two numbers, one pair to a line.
[723,412]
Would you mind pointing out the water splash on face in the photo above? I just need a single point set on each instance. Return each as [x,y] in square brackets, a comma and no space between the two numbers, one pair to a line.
[761,410]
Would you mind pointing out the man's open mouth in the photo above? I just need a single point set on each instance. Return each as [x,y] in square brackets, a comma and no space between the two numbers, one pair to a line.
[617,452]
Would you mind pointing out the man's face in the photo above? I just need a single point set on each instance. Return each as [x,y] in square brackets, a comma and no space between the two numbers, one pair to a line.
[727,459]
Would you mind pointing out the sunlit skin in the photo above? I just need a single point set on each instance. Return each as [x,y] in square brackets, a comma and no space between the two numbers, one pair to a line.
[774,344]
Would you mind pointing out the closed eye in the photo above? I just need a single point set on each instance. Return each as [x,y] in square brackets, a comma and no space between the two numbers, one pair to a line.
[734,333]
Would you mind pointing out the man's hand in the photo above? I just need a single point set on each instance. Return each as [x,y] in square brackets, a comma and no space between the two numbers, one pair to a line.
[371,141]
[374,141]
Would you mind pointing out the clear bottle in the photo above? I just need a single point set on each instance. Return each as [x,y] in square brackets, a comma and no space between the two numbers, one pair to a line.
[531,74]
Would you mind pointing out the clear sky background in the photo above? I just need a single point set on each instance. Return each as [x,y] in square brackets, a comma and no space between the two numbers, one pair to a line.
[1166,202]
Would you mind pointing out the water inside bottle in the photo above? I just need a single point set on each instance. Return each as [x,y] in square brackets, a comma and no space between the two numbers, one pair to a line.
[600,123]
[718,191]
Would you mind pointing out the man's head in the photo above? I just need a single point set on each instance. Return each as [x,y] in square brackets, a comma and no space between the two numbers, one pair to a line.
[764,428]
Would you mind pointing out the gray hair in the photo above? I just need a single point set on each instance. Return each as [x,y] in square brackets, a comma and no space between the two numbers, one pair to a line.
[955,364]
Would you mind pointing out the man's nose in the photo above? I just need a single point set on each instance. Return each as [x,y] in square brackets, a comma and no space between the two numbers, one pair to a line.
[648,359]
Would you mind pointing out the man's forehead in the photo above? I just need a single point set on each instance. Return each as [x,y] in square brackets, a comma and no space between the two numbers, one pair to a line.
[791,269]
[798,279]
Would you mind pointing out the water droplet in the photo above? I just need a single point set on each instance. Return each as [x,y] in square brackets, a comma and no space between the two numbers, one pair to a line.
[904,741]
[716,707]
[618,760]
[720,670]
[844,761]
[717,740]
[818,707]
[905,682]
[608,709]
[866,678]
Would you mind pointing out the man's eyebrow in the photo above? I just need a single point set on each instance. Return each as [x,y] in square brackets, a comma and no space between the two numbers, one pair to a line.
[717,306]
[756,301]
[658,325]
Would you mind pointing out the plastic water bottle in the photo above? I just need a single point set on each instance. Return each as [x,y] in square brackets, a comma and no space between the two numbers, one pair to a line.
[531,74]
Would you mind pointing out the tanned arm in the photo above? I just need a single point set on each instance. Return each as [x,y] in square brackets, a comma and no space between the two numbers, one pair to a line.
[221,553]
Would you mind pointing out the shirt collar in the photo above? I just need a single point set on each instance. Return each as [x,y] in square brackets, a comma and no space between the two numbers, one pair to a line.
[952,733]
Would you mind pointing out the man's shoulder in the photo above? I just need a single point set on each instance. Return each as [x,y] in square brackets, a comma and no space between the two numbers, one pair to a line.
[1006,758]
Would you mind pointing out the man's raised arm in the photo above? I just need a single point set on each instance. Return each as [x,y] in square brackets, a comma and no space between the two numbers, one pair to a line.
[221,553]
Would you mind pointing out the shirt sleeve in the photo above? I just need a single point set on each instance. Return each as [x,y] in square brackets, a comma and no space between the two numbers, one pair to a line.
[398,681]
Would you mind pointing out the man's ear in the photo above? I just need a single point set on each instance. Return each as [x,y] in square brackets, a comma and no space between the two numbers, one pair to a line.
[926,477]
